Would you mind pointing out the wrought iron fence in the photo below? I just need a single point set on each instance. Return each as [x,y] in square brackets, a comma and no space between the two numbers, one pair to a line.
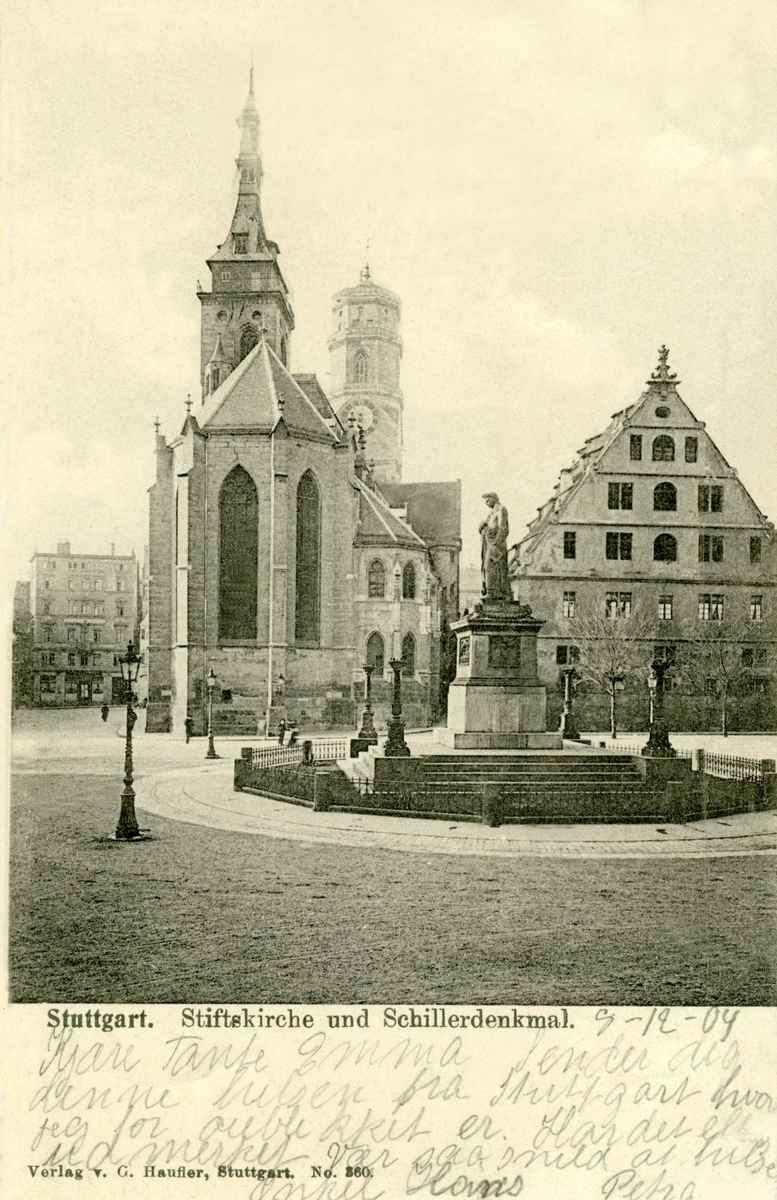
[324,750]
[731,766]
[290,781]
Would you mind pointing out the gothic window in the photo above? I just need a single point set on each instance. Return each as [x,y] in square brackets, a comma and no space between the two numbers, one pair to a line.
[663,448]
[408,654]
[408,582]
[375,653]
[665,548]
[214,378]
[665,497]
[308,571]
[248,339]
[360,368]
[376,579]
[238,557]
[284,351]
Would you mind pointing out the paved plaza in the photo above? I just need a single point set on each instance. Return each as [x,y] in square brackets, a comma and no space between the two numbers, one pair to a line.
[235,895]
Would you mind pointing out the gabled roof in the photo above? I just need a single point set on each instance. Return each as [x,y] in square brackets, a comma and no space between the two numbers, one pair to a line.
[317,396]
[661,391]
[433,509]
[378,525]
[258,394]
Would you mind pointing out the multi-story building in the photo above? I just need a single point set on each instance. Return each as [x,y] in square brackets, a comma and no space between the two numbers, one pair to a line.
[284,552]
[650,519]
[21,651]
[84,612]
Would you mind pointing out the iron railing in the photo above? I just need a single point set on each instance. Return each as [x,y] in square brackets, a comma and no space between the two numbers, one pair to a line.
[732,766]
[324,750]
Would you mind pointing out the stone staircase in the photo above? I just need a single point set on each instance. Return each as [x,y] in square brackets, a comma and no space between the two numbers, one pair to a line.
[560,787]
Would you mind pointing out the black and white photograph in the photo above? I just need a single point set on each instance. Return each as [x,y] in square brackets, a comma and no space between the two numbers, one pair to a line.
[390,584]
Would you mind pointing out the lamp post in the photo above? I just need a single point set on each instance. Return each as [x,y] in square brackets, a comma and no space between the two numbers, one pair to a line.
[396,746]
[211,682]
[568,728]
[127,828]
[658,744]
[367,732]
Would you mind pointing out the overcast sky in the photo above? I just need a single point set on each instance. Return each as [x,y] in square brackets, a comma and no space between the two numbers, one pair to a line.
[554,189]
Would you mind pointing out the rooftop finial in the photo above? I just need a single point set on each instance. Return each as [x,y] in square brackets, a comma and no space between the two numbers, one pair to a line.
[157,426]
[188,403]
[365,276]
[662,374]
[251,76]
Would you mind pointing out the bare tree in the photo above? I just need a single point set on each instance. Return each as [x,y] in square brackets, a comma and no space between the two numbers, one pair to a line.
[725,657]
[615,646]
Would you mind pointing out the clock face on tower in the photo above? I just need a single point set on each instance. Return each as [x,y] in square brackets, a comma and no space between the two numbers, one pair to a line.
[363,414]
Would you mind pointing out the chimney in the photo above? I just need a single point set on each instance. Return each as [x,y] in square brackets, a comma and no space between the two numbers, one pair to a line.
[63,547]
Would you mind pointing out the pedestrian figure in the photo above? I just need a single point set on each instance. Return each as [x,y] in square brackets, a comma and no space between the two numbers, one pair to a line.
[187,724]
[293,735]
[281,731]
[104,711]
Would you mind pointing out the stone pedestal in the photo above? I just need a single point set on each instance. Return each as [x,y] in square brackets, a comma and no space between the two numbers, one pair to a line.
[496,701]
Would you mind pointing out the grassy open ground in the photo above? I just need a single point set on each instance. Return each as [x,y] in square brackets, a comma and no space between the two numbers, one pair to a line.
[202,915]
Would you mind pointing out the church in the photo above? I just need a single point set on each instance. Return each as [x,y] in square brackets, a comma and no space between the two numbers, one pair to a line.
[285,550]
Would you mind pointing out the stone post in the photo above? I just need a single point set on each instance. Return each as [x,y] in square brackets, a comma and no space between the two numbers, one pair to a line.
[493,804]
[367,732]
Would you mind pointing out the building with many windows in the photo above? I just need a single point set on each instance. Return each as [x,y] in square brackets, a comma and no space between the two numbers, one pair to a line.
[83,612]
[651,520]
[284,550]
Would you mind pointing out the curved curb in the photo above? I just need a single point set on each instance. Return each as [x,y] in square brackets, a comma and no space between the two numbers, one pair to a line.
[204,796]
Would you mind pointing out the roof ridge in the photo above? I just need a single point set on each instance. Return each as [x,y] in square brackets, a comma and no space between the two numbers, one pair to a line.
[301,391]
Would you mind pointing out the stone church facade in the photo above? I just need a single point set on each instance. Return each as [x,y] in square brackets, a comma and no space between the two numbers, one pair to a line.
[651,521]
[284,549]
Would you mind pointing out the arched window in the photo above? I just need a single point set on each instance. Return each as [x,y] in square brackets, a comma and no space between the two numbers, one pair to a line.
[284,351]
[214,378]
[248,339]
[663,448]
[238,556]
[665,497]
[408,654]
[308,575]
[376,653]
[376,579]
[665,548]
[360,368]
[408,582]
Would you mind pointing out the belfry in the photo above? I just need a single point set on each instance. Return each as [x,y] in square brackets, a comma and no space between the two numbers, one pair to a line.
[285,552]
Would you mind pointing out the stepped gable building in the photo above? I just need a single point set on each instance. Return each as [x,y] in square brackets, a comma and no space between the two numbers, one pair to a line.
[649,518]
[82,613]
[284,552]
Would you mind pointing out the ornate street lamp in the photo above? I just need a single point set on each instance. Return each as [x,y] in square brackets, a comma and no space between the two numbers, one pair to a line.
[211,682]
[658,744]
[568,728]
[127,828]
[367,732]
[396,746]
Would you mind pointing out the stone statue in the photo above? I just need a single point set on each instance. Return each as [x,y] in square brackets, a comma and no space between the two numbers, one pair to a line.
[493,551]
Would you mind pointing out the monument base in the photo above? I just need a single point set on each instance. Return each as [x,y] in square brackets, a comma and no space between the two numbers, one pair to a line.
[498,740]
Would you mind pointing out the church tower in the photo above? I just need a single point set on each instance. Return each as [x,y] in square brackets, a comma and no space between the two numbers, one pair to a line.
[248,293]
[365,352]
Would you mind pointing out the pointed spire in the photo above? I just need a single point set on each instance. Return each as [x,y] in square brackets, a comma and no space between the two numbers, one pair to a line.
[218,355]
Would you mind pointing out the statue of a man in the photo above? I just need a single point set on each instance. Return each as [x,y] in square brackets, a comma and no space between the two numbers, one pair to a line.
[493,551]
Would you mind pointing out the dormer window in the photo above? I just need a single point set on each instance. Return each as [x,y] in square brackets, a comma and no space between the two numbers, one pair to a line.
[241,243]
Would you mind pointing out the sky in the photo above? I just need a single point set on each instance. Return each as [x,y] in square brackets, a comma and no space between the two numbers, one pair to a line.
[554,190]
